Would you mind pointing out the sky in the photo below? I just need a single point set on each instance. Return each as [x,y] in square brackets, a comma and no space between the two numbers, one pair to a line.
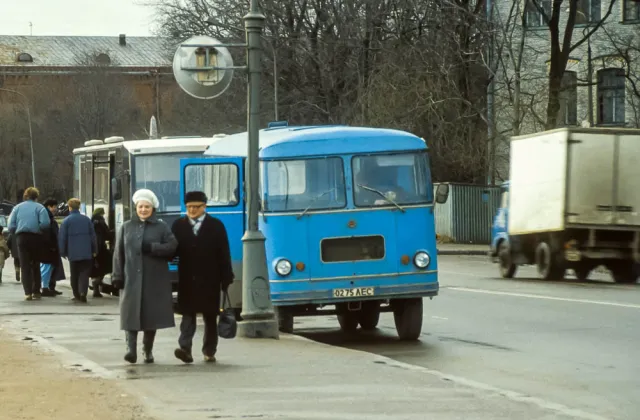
[75,17]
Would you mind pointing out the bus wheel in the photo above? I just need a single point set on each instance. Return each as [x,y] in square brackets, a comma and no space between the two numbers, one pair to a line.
[407,314]
[505,261]
[285,320]
[348,321]
[369,315]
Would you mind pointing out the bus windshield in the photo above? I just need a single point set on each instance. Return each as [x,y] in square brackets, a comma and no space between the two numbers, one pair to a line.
[160,173]
[386,180]
[305,184]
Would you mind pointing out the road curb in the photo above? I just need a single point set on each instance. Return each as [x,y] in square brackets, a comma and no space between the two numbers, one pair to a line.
[462,252]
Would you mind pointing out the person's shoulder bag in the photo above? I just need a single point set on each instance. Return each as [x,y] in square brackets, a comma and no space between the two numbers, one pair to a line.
[227,325]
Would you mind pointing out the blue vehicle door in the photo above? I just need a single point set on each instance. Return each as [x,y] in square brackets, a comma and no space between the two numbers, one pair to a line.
[221,180]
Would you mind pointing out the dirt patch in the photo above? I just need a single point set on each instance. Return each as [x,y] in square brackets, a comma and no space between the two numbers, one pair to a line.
[34,385]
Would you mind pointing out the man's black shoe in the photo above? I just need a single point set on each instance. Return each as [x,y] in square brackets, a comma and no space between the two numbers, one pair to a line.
[48,293]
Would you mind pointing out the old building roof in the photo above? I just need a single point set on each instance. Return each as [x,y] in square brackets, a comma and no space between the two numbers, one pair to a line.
[73,51]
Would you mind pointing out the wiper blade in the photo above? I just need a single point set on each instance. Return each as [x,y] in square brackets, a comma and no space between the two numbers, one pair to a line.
[381,194]
[313,200]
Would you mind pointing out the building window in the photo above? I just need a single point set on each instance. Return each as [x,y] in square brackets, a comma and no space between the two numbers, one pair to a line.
[611,96]
[631,11]
[589,11]
[24,58]
[569,98]
[533,17]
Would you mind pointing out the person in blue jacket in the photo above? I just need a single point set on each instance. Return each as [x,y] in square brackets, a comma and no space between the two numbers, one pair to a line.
[29,222]
[77,243]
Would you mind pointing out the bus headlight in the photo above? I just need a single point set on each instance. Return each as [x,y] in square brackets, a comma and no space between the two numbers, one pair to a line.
[421,259]
[283,267]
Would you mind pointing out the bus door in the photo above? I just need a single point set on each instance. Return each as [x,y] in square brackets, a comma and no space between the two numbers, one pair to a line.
[221,180]
[101,184]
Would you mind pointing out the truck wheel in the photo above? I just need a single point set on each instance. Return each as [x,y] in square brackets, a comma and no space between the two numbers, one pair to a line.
[507,267]
[407,314]
[348,321]
[285,320]
[369,315]
[624,273]
[547,262]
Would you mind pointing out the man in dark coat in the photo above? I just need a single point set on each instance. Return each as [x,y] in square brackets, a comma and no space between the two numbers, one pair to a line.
[51,268]
[204,269]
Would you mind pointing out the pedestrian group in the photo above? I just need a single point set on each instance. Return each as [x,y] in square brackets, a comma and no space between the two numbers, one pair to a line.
[137,261]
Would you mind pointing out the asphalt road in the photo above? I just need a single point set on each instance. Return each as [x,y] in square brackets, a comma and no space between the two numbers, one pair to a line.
[567,342]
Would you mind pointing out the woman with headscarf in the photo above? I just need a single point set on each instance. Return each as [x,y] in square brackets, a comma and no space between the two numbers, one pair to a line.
[144,246]
[102,261]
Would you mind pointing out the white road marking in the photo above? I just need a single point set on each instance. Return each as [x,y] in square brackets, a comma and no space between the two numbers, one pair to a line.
[439,317]
[532,296]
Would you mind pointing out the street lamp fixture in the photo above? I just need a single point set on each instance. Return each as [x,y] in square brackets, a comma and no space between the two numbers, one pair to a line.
[26,107]
[213,22]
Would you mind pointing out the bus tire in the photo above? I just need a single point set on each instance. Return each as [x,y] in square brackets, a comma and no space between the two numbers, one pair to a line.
[369,315]
[348,321]
[407,315]
[623,272]
[285,320]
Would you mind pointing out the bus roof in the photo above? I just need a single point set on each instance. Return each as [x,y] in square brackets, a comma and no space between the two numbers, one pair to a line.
[317,140]
[139,147]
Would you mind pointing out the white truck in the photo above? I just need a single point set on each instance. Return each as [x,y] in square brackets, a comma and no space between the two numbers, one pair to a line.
[573,202]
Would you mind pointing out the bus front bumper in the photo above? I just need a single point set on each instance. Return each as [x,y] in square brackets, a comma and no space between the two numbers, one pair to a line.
[324,296]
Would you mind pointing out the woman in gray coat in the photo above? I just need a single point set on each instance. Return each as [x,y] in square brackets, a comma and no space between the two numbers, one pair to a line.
[140,269]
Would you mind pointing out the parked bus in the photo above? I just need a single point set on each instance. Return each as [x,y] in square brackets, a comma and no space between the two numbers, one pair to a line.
[348,217]
[107,173]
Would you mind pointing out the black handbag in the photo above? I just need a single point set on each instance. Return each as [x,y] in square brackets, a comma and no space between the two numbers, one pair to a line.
[227,325]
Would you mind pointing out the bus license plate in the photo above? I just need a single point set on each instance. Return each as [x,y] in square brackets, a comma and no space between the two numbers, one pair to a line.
[353,292]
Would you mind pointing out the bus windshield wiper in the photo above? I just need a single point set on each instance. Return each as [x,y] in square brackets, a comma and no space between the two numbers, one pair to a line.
[313,200]
[381,194]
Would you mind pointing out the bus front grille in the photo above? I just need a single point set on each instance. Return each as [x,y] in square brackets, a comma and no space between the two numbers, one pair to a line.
[355,248]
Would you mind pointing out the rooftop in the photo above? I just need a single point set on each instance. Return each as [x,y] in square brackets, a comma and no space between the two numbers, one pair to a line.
[73,51]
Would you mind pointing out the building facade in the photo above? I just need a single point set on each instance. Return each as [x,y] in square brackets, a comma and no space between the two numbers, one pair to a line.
[600,84]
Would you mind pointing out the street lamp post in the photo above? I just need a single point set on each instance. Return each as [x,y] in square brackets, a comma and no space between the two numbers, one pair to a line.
[213,22]
[204,69]
[590,79]
[257,311]
[26,106]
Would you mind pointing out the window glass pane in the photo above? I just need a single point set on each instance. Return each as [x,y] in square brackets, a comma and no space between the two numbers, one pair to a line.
[306,184]
[403,178]
[161,174]
[219,182]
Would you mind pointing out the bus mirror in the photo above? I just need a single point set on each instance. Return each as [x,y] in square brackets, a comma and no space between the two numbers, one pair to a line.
[116,188]
[442,193]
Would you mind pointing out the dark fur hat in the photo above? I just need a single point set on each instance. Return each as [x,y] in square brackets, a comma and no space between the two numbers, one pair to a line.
[197,196]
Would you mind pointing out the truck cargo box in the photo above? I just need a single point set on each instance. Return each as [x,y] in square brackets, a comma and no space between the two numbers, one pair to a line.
[574,177]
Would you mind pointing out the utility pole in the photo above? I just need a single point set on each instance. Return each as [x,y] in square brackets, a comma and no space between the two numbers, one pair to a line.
[257,311]
[490,102]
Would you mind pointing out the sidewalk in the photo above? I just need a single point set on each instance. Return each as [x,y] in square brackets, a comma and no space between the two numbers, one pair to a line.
[34,385]
[462,249]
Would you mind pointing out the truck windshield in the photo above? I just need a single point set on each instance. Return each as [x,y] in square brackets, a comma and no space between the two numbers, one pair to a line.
[306,184]
[161,174]
[387,180]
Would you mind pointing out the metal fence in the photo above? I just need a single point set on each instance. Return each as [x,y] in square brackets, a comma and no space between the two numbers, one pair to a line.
[468,214]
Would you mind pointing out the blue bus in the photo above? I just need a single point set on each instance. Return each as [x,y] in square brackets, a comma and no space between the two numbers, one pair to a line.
[347,213]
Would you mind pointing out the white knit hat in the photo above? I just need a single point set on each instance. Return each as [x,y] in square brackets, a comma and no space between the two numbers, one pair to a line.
[146,195]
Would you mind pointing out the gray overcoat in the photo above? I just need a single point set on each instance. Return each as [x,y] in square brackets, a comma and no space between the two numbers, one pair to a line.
[146,302]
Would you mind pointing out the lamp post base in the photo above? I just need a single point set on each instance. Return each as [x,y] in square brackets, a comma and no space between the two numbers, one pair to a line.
[259,319]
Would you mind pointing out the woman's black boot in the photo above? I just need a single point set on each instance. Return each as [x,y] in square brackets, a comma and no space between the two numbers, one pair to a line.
[132,354]
[147,345]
